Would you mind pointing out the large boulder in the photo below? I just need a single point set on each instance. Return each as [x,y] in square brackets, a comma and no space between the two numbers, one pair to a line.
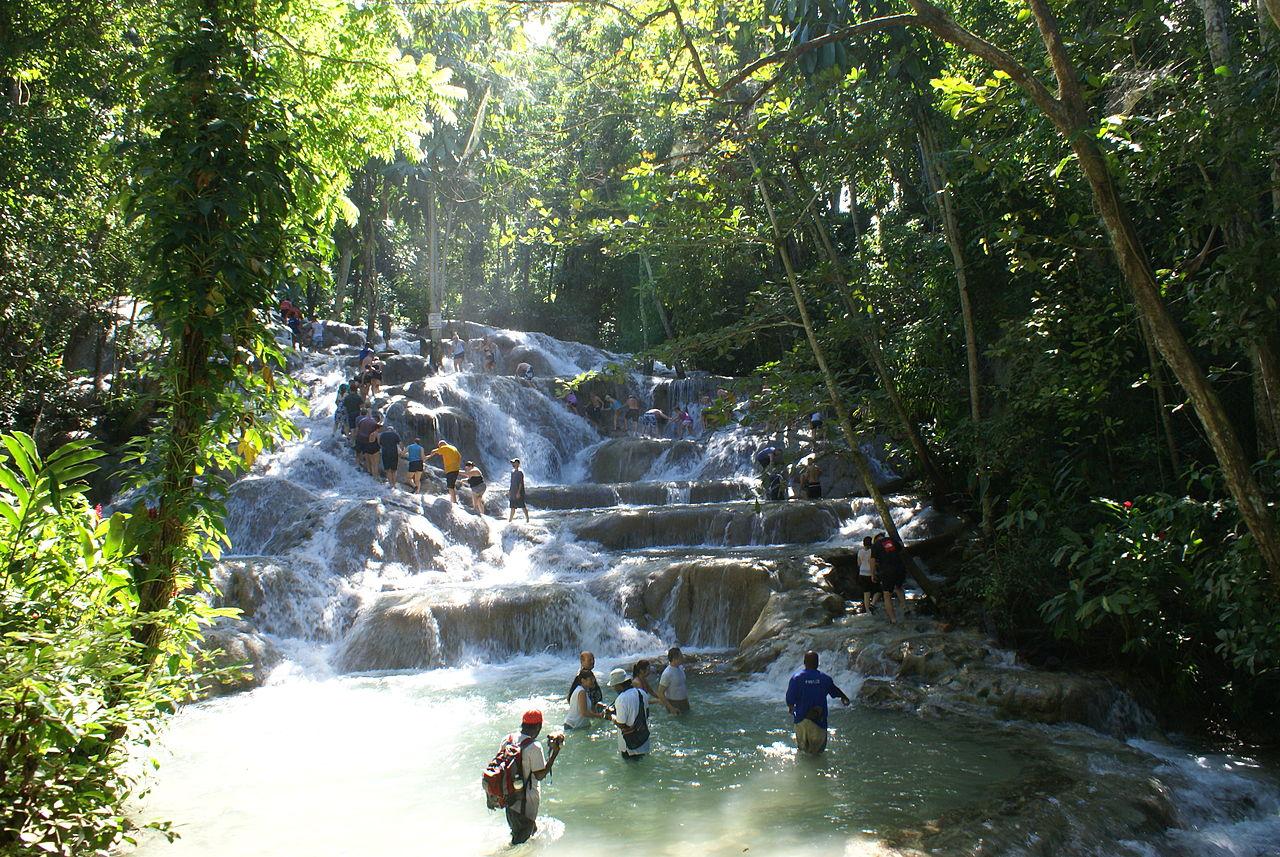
[420,630]
[628,459]
[542,367]
[708,602]
[271,515]
[725,525]
[337,333]
[238,658]
[403,368]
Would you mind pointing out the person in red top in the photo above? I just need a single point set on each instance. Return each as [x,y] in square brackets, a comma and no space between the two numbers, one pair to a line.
[889,569]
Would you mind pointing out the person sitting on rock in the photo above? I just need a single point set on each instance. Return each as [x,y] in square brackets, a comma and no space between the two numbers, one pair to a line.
[490,354]
[524,372]
[807,693]
[475,481]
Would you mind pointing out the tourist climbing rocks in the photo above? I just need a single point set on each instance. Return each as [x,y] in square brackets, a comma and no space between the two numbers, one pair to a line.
[582,708]
[672,686]
[811,479]
[534,766]
[366,445]
[450,462]
[631,422]
[571,401]
[490,355]
[630,713]
[595,410]
[867,574]
[684,422]
[891,572]
[384,321]
[340,410]
[475,481]
[352,402]
[807,694]
[413,456]
[458,350]
[317,333]
[515,492]
[653,423]
[372,377]
[389,444]
[615,411]
[293,318]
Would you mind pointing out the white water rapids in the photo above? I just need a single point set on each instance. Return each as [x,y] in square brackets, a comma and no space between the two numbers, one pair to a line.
[411,635]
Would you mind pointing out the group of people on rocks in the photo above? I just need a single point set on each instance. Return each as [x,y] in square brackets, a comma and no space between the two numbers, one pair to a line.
[807,693]
[380,451]
[804,477]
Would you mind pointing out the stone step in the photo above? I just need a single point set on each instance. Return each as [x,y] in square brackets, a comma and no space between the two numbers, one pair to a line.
[603,495]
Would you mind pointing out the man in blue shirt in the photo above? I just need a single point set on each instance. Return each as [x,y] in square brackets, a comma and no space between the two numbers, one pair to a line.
[807,701]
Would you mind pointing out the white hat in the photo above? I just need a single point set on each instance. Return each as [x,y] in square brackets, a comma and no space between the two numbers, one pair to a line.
[618,676]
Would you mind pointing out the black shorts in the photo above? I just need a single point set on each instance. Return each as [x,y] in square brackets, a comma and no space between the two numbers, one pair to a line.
[633,414]
[813,492]
[475,483]
[390,461]
[367,447]
[415,466]
[517,502]
[353,417]
[451,479]
[891,580]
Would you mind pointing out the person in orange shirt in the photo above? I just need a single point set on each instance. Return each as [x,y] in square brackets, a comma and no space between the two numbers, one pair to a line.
[451,461]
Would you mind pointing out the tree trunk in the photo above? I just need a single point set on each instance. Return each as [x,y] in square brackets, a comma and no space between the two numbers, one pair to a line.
[340,279]
[829,378]
[1273,10]
[1162,397]
[936,176]
[870,337]
[434,292]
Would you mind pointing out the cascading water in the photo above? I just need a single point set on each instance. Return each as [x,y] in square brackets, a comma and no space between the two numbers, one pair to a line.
[409,635]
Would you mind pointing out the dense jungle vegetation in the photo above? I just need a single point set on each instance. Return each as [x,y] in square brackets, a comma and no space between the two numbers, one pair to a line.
[1033,243]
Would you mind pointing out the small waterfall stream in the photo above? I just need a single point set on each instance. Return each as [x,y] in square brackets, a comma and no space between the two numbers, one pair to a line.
[404,636]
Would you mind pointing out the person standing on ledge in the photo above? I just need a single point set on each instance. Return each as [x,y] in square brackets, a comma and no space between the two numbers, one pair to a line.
[451,462]
[807,694]
[891,572]
[459,351]
[515,494]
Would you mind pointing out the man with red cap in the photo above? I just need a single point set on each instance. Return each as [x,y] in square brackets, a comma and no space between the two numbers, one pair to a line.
[534,767]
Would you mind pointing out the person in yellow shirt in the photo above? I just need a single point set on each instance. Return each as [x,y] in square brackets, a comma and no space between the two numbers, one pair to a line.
[451,461]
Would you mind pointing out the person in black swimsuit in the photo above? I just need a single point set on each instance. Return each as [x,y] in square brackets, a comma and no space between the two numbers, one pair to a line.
[475,481]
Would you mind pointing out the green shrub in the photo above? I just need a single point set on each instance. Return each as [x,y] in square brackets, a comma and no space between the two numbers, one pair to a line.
[1170,583]
[74,695]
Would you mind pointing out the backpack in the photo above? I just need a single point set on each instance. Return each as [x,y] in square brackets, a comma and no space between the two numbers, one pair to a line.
[503,779]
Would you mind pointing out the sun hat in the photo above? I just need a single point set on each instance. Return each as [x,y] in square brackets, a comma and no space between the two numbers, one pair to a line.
[531,718]
[618,676]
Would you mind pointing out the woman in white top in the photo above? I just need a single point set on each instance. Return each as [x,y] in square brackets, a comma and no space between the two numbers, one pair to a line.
[580,709]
